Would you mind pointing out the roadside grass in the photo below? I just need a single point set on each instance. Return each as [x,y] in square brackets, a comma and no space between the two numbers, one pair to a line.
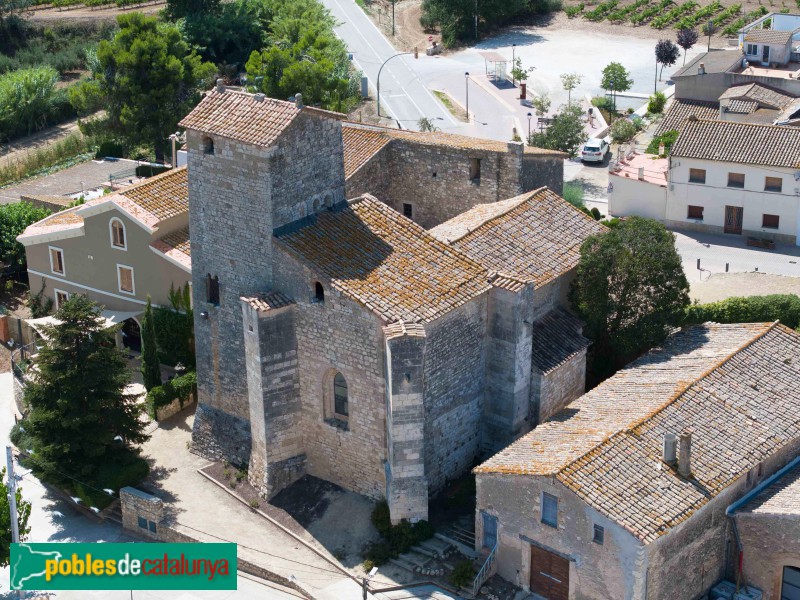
[451,105]
[64,153]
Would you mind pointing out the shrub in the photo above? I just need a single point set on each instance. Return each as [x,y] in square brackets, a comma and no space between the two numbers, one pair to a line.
[462,575]
[574,11]
[668,138]
[397,539]
[381,518]
[622,130]
[121,470]
[178,388]
[656,103]
[573,193]
[753,309]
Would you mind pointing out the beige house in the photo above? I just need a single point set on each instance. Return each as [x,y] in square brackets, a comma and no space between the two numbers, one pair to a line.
[599,502]
[721,177]
[116,249]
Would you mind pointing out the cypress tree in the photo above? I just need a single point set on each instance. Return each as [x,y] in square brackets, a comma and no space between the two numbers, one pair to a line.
[151,368]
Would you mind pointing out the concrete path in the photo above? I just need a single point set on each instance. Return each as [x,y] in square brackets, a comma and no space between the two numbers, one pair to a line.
[203,511]
[402,93]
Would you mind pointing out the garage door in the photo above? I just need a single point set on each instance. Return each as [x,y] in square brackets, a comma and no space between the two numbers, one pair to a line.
[549,574]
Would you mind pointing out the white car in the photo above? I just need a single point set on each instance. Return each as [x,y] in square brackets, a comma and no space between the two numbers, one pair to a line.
[594,150]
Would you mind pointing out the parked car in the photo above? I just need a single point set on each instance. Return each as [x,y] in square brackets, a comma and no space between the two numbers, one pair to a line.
[594,150]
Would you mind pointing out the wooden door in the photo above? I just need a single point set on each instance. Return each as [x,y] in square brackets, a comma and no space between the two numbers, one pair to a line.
[733,219]
[549,574]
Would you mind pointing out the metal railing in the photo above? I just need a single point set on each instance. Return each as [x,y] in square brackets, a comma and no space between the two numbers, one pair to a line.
[487,570]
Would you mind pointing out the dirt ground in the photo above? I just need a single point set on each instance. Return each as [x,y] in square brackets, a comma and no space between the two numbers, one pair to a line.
[724,285]
[83,13]
[409,32]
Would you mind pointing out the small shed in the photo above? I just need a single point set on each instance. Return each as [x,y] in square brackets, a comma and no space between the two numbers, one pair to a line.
[496,65]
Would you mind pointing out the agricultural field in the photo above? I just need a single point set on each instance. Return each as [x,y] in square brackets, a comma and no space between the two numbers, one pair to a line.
[727,18]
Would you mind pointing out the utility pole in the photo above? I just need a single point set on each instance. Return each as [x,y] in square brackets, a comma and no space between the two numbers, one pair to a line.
[466,89]
[513,62]
[393,3]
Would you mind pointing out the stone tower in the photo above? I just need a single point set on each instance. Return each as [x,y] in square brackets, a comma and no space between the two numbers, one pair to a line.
[255,165]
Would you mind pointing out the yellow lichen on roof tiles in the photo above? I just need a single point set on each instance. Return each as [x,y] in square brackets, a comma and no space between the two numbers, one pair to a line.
[163,196]
[534,237]
[360,145]
[386,262]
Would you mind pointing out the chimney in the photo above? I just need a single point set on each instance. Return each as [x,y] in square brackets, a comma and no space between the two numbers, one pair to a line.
[259,97]
[722,111]
[670,449]
[702,69]
[298,100]
[221,85]
[662,149]
[685,456]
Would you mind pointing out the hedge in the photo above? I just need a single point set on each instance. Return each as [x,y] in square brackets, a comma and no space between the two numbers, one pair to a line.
[753,309]
[178,388]
[174,331]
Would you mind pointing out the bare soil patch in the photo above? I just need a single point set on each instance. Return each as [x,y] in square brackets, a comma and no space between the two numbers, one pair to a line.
[84,14]
[720,286]
[408,33]
[367,112]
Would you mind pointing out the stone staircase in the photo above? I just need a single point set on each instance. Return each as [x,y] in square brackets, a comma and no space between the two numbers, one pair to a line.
[427,558]
[462,538]
[113,512]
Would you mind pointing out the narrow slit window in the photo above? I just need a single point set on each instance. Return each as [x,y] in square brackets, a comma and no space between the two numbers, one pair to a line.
[341,409]
[549,509]
[212,289]
[598,535]
[475,169]
[319,293]
[408,210]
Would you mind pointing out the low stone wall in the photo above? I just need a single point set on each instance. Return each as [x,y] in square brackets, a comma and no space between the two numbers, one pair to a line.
[174,407]
[141,512]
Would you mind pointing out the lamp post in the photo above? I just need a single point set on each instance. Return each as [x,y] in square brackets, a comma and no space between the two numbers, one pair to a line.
[378,84]
[466,87]
[513,62]
[710,27]
[530,116]
[393,3]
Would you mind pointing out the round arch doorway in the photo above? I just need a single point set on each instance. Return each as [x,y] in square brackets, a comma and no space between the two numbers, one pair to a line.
[131,335]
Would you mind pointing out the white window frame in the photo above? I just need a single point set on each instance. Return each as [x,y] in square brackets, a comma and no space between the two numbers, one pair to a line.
[119,280]
[124,234]
[56,292]
[63,272]
[754,47]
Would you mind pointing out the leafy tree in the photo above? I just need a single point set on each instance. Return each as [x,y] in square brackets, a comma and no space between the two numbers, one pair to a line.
[629,289]
[23,514]
[14,218]
[541,104]
[81,416]
[177,9]
[174,327]
[622,130]
[227,35]
[150,79]
[656,103]
[566,132]
[10,11]
[667,54]
[151,368]
[686,38]
[616,79]
[570,81]
[520,73]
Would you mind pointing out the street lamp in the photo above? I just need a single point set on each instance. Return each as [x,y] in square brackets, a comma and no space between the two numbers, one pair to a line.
[378,84]
[530,116]
[466,87]
[710,27]
[513,62]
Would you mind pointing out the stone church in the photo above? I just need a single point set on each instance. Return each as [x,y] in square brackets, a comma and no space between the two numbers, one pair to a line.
[377,308]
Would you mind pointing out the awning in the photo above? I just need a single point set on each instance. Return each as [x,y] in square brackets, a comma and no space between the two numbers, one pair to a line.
[111,317]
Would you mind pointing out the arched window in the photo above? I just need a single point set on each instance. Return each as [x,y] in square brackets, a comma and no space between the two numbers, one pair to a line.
[319,292]
[207,145]
[340,402]
[118,239]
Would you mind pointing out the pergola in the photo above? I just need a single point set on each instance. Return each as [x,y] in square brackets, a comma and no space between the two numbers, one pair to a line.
[496,65]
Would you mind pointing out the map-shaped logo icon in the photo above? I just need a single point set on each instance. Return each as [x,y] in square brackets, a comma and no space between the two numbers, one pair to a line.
[28,565]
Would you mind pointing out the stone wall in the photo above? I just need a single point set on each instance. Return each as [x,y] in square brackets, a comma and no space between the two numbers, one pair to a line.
[374,177]
[238,195]
[338,335]
[174,407]
[454,388]
[615,569]
[539,171]
[771,542]
[559,387]
[141,512]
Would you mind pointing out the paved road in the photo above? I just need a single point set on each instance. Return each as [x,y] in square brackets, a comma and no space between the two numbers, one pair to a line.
[402,92]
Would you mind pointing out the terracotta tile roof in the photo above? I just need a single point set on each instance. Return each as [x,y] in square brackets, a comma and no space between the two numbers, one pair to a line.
[268,301]
[534,237]
[451,140]
[163,196]
[680,110]
[768,36]
[61,221]
[782,497]
[755,92]
[556,338]
[400,329]
[508,283]
[744,107]
[386,262]
[176,245]
[734,385]
[743,143]
[360,145]
[250,118]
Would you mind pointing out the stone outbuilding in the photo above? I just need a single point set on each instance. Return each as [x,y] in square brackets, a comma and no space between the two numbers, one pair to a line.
[625,493]
[343,339]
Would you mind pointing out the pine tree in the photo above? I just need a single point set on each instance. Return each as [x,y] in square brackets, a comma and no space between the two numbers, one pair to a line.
[81,417]
[151,368]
